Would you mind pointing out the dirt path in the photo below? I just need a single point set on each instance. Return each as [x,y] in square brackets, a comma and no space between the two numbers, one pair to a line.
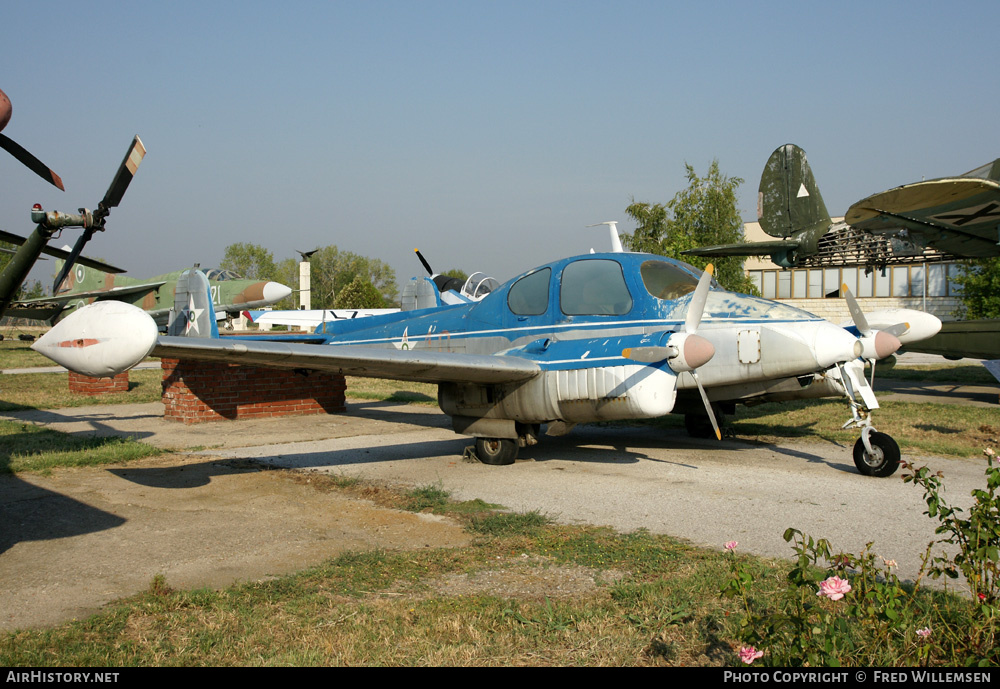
[72,541]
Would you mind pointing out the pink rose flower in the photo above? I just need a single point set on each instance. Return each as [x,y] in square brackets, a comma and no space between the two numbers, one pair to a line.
[731,545]
[834,588]
[748,654]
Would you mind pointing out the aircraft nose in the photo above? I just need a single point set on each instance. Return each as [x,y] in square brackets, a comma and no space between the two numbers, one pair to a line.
[275,291]
[263,293]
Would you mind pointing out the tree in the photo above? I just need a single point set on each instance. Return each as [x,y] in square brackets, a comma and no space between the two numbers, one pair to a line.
[251,261]
[31,289]
[704,214]
[359,294]
[980,281]
[331,270]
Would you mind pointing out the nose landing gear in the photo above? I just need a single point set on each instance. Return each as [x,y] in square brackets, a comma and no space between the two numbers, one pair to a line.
[875,454]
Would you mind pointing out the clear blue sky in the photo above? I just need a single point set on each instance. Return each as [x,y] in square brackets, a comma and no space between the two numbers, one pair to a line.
[488,134]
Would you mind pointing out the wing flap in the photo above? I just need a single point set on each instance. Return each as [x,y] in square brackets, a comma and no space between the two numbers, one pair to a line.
[368,362]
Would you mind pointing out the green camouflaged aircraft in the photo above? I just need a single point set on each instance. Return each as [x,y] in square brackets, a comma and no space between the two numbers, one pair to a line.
[231,294]
[955,216]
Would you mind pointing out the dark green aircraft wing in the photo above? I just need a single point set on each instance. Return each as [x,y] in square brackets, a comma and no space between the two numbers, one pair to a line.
[957,215]
[103,293]
[748,249]
[59,253]
[978,339]
[44,308]
[41,311]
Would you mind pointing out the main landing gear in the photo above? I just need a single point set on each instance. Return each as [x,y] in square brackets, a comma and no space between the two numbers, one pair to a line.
[503,451]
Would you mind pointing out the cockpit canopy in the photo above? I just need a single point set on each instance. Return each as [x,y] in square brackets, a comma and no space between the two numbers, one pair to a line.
[640,286]
[593,286]
[220,274]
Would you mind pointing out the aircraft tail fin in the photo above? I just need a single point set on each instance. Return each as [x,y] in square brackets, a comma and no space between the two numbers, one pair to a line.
[788,199]
[193,314]
[420,293]
[81,278]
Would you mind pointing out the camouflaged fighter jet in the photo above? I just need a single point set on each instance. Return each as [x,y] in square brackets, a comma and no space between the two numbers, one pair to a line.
[230,294]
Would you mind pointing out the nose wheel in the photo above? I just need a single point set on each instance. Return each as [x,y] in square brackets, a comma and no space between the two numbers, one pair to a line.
[875,454]
[878,457]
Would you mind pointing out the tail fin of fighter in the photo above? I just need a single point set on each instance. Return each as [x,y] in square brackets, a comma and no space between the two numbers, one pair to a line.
[788,200]
[789,206]
[193,314]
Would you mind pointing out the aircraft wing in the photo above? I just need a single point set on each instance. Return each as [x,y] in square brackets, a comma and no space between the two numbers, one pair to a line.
[44,308]
[749,249]
[104,293]
[41,311]
[310,318]
[958,215]
[59,253]
[979,339]
[368,362]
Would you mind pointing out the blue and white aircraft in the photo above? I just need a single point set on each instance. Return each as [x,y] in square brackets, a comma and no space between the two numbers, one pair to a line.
[596,337]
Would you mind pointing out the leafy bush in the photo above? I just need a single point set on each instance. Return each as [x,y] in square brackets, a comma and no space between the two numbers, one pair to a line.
[842,609]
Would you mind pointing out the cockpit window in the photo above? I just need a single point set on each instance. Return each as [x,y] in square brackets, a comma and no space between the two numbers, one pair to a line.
[666,281]
[529,296]
[594,287]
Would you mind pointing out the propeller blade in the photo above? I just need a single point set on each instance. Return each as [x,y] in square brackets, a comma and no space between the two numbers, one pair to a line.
[649,355]
[708,406]
[423,261]
[697,306]
[33,163]
[856,313]
[898,329]
[136,152]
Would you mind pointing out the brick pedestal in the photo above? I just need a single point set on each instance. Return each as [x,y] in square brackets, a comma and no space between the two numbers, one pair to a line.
[85,385]
[195,391]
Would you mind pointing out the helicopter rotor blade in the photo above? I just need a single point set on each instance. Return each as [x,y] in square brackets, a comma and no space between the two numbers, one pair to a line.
[113,196]
[33,163]
[123,177]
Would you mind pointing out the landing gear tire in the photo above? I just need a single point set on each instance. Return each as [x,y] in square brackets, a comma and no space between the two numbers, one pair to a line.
[883,461]
[496,451]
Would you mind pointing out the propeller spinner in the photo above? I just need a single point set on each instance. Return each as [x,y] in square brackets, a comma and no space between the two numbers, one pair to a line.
[12,147]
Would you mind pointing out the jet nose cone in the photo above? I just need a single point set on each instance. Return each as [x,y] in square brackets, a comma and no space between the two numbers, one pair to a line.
[275,291]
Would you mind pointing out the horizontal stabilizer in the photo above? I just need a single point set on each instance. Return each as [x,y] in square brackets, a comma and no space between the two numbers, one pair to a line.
[749,249]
